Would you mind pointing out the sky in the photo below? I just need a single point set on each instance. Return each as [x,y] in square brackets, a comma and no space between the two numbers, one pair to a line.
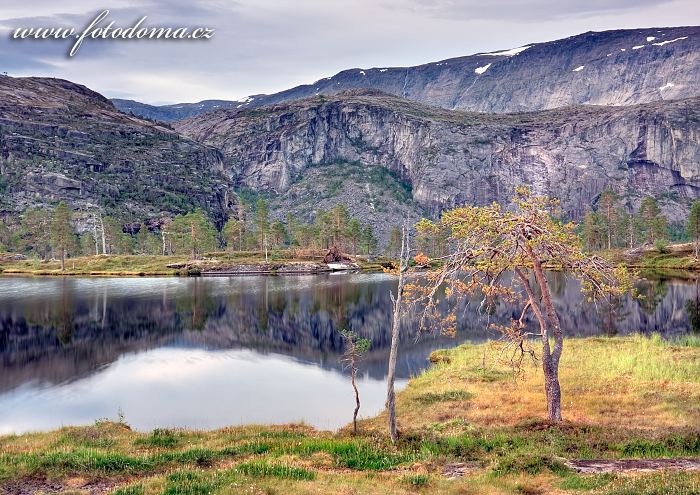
[265,46]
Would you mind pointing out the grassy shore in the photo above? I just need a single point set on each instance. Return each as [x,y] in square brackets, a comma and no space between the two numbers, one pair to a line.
[139,265]
[467,416]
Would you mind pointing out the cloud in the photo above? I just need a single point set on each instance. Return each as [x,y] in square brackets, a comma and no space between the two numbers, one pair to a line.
[263,46]
[520,10]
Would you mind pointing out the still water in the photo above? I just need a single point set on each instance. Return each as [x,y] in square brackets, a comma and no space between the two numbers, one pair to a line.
[210,352]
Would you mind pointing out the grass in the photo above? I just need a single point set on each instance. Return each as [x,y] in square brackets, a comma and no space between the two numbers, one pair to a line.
[632,397]
[139,266]
[261,469]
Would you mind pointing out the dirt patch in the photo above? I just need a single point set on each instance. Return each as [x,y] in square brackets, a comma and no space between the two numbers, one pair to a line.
[456,470]
[640,465]
[33,485]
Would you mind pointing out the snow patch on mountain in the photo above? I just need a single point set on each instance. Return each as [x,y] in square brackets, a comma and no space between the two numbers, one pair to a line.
[579,68]
[662,43]
[509,53]
[481,70]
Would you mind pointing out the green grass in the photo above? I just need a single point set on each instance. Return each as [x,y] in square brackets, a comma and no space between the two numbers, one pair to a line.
[261,469]
[354,454]
[589,482]
[130,490]
[446,396]
[416,480]
[662,483]
[162,438]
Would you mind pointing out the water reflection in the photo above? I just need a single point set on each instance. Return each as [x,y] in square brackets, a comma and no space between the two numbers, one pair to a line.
[216,351]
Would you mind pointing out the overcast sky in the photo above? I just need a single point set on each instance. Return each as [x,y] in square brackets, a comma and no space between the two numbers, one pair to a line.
[264,46]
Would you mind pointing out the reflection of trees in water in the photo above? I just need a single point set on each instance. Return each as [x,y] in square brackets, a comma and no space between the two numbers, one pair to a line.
[77,328]
[651,293]
[692,308]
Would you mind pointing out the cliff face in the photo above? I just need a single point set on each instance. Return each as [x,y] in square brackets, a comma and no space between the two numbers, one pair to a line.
[447,158]
[61,141]
[621,67]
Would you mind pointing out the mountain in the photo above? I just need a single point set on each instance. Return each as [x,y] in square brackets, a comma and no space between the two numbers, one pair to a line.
[60,141]
[179,111]
[311,153]
[621,67]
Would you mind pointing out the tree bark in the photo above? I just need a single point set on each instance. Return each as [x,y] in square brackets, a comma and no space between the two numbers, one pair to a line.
[393,354]
[63,259]
[551,365]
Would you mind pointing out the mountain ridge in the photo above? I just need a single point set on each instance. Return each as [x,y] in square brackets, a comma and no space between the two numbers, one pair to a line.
[620,67]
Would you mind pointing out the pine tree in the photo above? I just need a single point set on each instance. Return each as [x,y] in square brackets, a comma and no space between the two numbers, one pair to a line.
[394,246]
[606,211]
[234,234]
[651,223]
[693,226]
[35,232]
[262,222]
[369,242]
[193,233]
[63,237]
[353,233]
[592,231]
[278,233]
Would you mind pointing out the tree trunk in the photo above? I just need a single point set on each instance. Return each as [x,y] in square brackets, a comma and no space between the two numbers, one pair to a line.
[393,354]
[104,241]
[353,374]
[194,244]
[550,361]
[551,387]
[63,259]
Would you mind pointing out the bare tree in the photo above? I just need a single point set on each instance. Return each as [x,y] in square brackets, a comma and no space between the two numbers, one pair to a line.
[395,322]
[355,348]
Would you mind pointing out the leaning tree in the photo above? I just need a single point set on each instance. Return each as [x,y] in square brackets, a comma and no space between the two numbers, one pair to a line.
[505,253]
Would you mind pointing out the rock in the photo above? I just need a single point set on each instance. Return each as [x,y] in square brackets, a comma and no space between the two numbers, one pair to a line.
[436,159]
[59,141]
[5,257]
[539,77]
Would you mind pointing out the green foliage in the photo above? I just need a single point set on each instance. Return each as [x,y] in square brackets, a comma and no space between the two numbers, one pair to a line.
[661,245]
[262,222]
[431,239]
[234,234]
[192,233]
[369,242]
[693,225]
[394,246]
[652,225]
[63,238]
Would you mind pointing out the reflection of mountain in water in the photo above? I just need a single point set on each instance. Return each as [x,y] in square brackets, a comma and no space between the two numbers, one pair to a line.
[61,329]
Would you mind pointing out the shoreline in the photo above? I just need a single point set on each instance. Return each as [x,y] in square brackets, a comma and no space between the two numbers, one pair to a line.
[174,266]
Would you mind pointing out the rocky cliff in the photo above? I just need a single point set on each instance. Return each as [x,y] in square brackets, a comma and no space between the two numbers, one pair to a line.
[443,158]
[62,141]
[621,67]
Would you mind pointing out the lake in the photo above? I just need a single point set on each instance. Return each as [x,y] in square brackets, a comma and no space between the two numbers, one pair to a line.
[210,352]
